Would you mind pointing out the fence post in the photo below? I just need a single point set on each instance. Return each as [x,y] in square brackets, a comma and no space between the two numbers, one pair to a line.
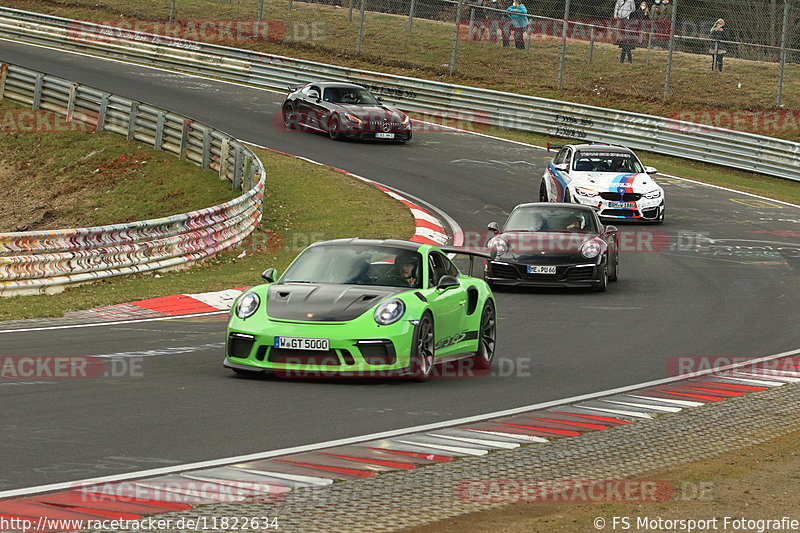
[454,54]
[350,12]
[290,5]
[671,48]
[360,30]
[172,10]
[649,46]
[37,92]
[3,76]
[159,140]
[260,10]
[73,91]
[411,15]
[101,115]
[591,42]
[132,120]
[784,34]
[563,53]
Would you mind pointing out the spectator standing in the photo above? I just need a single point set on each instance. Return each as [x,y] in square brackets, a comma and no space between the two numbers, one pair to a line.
[631,35]
[664,11]
[519,21]
[497,21]
[719,32]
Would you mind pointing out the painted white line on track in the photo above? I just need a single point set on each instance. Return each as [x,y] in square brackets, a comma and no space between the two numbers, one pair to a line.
[382,435]
[117,323]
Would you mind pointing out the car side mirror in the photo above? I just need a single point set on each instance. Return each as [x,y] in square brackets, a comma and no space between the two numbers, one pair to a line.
[562,166]
[651,170]
[447,282]
[611,229]
[493,227]
[379,99]
[269,275]
[313,95]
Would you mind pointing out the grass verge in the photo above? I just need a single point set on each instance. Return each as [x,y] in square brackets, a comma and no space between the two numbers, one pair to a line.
[295,215]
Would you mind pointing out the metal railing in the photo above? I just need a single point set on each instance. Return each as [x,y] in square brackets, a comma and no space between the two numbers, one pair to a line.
[45,261]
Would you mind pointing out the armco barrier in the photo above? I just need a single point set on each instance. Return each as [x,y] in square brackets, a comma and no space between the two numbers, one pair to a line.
[45,261]
[688,140]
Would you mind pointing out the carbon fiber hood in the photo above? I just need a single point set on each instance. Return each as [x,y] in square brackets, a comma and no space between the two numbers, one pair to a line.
[323,302]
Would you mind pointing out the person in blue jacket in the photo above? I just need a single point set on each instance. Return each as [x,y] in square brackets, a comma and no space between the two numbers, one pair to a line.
[519,21]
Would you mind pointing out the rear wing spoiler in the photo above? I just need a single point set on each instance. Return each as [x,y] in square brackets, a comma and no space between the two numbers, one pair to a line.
[463,251]
[552,147]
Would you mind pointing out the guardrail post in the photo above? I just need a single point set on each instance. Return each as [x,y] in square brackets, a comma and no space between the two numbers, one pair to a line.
[37,91]
[591,42]
[185,138]
[454,53]
[671,48]
[3,76]
[784,34]
[248,173]
[73,91]
[134,112]
[237,168]
[161,119]
[223,158]
[101,115]
[206,148]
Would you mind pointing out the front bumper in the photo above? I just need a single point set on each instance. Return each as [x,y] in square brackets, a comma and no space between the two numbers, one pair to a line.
[643,209]
[567,275]
[383,352]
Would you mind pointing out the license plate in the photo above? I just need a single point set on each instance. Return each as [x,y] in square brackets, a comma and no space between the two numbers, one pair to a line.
[622,205]
[302,343]
[533,269]
[384,135]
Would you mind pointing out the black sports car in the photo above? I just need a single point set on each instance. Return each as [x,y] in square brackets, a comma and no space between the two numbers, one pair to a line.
[552,244]
[344,110]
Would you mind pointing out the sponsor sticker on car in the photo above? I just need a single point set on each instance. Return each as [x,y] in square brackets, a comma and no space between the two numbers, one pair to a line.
[302,343]
[537,269]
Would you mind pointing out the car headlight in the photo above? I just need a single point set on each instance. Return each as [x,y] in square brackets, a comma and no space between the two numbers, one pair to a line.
[390,311]
[354,119]
[583,191]
[653,194]
[592,248]
[247,305]
[406,120]
[499,244]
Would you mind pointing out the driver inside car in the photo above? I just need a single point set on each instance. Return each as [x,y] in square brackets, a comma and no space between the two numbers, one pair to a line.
[405,270]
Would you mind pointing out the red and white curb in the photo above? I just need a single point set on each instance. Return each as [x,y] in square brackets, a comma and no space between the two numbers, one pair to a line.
[269,476]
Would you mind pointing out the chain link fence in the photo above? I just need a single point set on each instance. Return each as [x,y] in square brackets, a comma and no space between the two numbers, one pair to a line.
[660,57]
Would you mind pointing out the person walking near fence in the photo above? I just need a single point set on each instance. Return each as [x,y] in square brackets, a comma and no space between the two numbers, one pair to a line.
[519,21]
[718,33]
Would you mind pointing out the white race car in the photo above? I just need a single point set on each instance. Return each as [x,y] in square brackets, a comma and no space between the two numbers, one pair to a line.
[609,178]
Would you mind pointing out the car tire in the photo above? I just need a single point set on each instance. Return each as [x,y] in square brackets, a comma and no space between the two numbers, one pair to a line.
[602,285]
[422,349]
[543,192]
[567,197]
[487,336]
[335,129]
[289,117]
[615,275]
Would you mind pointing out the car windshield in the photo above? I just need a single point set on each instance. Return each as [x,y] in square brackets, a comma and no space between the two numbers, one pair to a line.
[539,218]
[359,265]
[349,95]
[600,161]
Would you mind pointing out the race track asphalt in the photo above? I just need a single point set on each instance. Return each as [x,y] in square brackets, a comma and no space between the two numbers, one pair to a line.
[736,298]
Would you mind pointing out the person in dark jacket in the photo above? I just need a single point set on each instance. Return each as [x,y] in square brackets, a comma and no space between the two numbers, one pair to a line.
[718,33]
[629,39]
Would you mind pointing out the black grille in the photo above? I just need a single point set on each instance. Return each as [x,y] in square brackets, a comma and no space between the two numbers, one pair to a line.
[239,347]
[650,212]
[303,357]
[579,274]
[619,213]
[378,353]
[504,271]
[620,197]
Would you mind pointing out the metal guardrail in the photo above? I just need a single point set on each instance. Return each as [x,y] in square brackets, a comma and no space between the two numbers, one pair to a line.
[45,261]
[699,142]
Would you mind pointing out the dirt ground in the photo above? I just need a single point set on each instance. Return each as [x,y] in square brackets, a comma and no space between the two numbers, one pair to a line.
[757,483]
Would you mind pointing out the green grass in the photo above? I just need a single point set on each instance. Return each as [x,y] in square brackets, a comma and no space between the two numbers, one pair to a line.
[295,214]
[746,86]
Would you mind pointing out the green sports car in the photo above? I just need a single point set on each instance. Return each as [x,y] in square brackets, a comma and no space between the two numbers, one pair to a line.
[357,307]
